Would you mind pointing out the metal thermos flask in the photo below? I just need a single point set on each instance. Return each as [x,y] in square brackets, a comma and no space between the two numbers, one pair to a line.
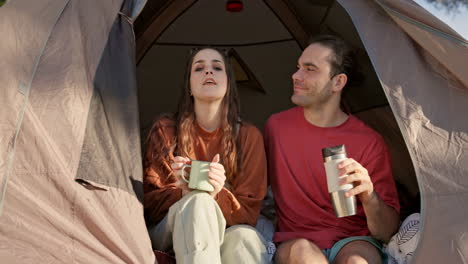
[343,206]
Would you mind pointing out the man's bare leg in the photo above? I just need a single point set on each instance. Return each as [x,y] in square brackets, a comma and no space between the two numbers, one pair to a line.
[299,251]
[358,252]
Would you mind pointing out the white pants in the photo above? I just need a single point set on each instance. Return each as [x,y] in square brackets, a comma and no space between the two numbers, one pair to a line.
[195,228]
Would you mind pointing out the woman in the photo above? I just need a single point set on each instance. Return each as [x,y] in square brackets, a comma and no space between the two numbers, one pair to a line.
[206,127]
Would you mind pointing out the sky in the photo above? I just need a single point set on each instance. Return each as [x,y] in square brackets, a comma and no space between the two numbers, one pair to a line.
[457,20]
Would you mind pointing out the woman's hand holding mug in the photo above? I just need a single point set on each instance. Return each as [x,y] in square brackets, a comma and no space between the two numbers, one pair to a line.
[216,176]
[176,167]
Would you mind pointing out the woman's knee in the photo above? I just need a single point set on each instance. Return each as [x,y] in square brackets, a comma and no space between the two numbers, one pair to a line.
[243,244]
[243,234]
[197,205]
[197,199]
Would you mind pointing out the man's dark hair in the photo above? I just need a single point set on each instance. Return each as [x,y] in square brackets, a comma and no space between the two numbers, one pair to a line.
[342,59]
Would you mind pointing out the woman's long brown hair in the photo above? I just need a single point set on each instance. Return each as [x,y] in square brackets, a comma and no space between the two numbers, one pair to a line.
[185,118]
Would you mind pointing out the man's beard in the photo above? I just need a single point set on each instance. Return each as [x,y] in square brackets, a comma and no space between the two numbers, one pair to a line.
[312,101]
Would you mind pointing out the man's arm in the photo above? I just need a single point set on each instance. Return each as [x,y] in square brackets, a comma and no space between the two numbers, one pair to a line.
[382,220]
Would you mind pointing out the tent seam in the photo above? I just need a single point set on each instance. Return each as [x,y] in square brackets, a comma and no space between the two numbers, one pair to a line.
[424,26]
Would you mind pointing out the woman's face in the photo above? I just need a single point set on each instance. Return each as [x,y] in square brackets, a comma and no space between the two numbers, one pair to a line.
[208,78]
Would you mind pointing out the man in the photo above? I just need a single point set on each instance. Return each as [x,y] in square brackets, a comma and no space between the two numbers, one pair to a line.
[307,229]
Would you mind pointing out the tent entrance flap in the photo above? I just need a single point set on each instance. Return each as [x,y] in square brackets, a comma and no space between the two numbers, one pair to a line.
[164,63]
[110,154]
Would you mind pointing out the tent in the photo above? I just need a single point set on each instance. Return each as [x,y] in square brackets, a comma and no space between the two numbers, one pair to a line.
[73,116]
[71,176]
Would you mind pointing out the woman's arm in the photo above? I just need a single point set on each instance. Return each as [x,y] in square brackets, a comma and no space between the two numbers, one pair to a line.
[160,182]
[159,195]
[241,203]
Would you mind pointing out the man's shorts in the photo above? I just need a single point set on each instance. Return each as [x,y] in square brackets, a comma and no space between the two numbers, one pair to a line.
[331,253]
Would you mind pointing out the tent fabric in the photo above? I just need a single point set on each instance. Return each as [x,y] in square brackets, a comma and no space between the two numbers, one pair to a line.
[436,136]
[24,55]
[110,154]
[445,49]
[402,167]
[64,54]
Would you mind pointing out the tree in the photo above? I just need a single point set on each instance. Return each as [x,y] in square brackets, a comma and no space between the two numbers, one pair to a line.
[449,5]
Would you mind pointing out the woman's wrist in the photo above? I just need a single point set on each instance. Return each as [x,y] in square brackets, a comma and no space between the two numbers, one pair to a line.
[185,191]
[215,195]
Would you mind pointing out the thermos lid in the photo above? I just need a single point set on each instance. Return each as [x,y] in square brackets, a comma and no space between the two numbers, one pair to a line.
[332,151]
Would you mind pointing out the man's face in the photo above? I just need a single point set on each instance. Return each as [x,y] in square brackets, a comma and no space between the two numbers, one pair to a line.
[312,82]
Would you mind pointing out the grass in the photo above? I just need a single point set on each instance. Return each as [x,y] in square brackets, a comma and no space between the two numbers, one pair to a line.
[2,2]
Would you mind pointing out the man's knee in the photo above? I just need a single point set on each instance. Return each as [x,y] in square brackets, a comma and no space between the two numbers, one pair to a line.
[358,252]
[354,259]
[303,248]
[299,246]
[299,251]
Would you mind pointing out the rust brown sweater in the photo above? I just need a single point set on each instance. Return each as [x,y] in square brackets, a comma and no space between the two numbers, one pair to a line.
[240,203]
